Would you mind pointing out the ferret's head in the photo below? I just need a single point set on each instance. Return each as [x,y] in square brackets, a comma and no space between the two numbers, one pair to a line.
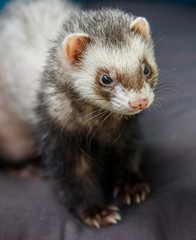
[110,58]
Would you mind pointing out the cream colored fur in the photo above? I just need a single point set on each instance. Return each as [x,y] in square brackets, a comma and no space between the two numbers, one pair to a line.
[26,28]
[126,61]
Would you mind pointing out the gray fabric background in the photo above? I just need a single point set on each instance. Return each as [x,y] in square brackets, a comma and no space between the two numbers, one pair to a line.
[30,209]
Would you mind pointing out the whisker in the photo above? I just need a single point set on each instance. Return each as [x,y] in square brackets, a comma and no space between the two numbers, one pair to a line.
[90,129]
[167,72]
[99,127]
[119,135]
[156,105]
[161,32]
[92,112]
[159,40]
[156,40]
[98,114]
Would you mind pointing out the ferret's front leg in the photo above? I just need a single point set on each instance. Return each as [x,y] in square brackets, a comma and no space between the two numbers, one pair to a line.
[79,185]
[130,185]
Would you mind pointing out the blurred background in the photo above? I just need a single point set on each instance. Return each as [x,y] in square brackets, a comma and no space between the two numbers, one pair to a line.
[2,2]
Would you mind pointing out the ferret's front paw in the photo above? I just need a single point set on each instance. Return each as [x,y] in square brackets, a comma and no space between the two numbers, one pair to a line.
[100,216]
[130,191]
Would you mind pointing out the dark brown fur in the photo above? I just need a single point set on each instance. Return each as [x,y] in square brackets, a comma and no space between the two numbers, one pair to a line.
[82,157]
[90,152]
[103,92]
[131,82]
[151,77]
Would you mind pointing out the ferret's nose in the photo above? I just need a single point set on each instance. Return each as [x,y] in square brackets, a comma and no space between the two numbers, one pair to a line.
[138,104]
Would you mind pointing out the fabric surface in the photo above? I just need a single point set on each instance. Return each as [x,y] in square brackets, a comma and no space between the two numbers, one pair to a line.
[31,210]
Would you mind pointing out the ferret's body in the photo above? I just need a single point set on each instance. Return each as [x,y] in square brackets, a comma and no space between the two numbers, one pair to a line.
[99,70]
[26,27]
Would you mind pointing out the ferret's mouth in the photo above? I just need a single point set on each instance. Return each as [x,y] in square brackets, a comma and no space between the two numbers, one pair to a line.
[127,111]
[132,112]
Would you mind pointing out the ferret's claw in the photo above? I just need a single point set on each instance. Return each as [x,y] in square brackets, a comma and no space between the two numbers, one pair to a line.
[114,208]
[137,199]
[135,193]
[117,216]
[128,199]
[96,224]
[147,187]
[143,195]
[102,217]
[116,192]
[112,220]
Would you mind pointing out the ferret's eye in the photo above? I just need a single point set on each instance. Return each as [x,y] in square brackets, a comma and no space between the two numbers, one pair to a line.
[106,81]
[146,70]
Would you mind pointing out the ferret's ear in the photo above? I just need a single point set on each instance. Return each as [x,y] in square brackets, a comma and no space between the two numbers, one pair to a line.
[74,45]
[141,26]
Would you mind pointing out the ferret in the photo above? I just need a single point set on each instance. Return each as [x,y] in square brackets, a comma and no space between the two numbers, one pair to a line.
[78,80]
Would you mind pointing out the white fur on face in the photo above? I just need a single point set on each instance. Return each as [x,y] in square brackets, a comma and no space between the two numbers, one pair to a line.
[148,91]
[120,103]
[126,60]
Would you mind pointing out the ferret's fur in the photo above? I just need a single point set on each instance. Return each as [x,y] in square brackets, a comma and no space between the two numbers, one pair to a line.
[26,27]
[85,135]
